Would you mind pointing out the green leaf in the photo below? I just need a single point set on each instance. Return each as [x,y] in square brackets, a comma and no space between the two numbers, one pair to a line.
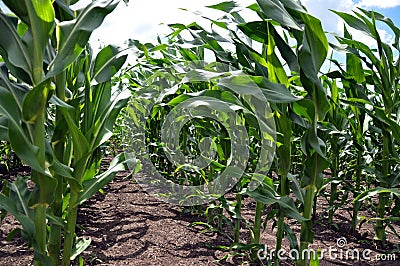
[13,50]
[310,80]
[18,137]
[107,63]
[354,22]
[286,203]
[297,190]
[387,21]
[256,30]
[17,204]
[81,144]
[39,15]
[102,129]
[375,191]
[74,35]
[226,6]
[316,39]
[3,128]
[315,165]
[305,109]
[92,186]
[80,246]
[251,85]
[34,103]
[269,196]
[275,10]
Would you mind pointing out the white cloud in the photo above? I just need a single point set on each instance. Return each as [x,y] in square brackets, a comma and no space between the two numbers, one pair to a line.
[321,9]
[379,4]
[143,20]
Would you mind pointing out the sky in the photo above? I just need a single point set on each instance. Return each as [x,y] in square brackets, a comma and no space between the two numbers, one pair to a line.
[141,19]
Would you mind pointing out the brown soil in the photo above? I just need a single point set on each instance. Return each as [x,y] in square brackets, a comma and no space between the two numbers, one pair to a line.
[129,227]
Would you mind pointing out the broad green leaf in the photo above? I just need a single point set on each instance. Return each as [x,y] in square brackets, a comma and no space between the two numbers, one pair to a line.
[256,30]
[268,196]
[251,85]
[107,63]
[66,13]
[388,21]
[103,127]
[275,10]
[297,190]
[304,108]
[14,50]
[227,6]
[34,103]
[3,128]
[74,35]
[276,72]
[294,5]
[311,82]
[81,245]
[354,22]
[92,186]
[356,46]
[314,166]
[16,203]
[9,206]
[18,137]
[354,68]
[39,15]
[81,144]
[285,50]
[376,191]
[316,39]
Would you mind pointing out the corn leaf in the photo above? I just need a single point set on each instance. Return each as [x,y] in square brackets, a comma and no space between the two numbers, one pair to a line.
[275,10]
[14,50]
[74,35]
[107,63]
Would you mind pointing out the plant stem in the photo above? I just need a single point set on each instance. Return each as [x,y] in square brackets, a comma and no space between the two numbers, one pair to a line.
[281,221]
[41,206]
[257,227]
[70,228]
[356,206]
[316,163]
[380,233]
[56,206]
[334,177]
[238,208]
[306,226]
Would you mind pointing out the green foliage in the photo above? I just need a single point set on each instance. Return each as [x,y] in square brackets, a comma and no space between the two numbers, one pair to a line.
[333,129]
[58,107]
[59,103]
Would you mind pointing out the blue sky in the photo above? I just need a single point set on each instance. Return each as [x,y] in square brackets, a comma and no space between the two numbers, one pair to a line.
[141,19]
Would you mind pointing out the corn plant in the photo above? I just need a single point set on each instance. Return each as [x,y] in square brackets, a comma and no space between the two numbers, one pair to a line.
[58,107]
[378,73]
[339,140]
[269,69]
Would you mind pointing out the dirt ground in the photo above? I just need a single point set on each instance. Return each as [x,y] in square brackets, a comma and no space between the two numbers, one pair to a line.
[129,227]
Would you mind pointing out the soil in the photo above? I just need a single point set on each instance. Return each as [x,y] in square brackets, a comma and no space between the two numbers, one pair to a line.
[129,227]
